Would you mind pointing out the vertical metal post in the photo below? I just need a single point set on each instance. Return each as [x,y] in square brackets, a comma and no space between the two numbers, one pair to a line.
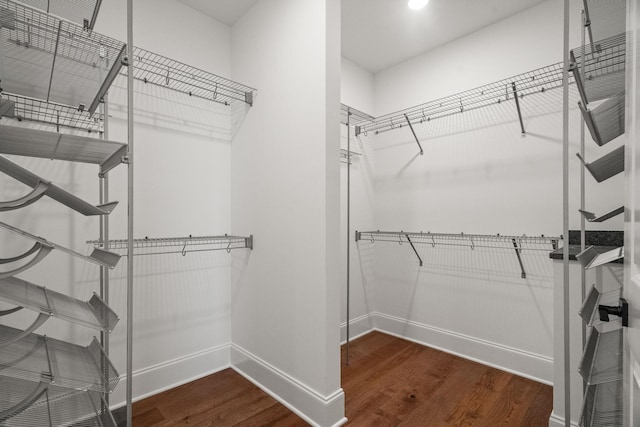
[104,232]
[130,162]
[565,216]
[348,229]
[583,238]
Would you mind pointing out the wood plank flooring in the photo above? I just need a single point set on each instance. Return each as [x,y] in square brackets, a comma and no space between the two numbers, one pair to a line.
[389,382]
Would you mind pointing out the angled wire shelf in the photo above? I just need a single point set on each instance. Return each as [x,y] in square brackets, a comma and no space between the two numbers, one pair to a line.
[42,187]
[83,12]
[156,69]
[603,405]
[21,141]
[40,111]
[602,358]
[45,57]
[593,256]
[591,217]
[589,310]
[603,67]
[28,404]
[38,358]
[93,313]
[606,121]
[98,256]
[181,245]
[604,18]
[607,166]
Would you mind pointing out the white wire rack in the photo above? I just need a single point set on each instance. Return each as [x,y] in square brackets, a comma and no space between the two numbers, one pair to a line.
[506,90]
[60,115]
[181,245]
[472,241]
[156,69]
[45,57]
[355,117]
[82,12]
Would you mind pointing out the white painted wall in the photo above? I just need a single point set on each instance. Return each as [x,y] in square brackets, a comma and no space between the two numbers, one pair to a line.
[182,187]
[285,190]
[478,176]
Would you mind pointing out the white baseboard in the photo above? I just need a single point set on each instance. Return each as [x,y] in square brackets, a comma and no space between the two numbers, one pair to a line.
[525,364]
[172,373]
[358,327]
[308,404]
[556,421]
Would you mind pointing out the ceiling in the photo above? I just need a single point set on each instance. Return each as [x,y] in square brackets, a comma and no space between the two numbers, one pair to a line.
[377,34]
[226,11]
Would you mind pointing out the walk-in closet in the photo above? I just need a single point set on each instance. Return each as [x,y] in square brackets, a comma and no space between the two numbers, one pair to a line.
[329,212]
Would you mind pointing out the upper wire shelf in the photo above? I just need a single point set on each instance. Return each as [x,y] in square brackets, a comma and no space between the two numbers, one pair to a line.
[184,245]
[84,12]
[41,111]
[153,68]
[353,116]
[536,81]
[45,57]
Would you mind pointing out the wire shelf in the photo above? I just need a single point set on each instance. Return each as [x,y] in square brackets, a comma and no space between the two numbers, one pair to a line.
[604,18]
[604,68]
[355,117]
[39,358]
[62,196]
[83,12]
[21,141]
[164,245]
[536,81]
[602,358]
[98,256]
[588,311]
[93,313]
[153,68]
[45,57]
[50,406]
[603,405]
[606,121]
[52,113]
[607,166]
[462,239]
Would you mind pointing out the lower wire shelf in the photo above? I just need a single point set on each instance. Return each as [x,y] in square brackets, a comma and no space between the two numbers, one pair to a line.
[26,403]
[39,358]
[602,358]
[602,405]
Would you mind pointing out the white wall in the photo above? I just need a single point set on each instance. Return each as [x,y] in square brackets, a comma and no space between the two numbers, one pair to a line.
[285,190]
[478,176]
[182,187]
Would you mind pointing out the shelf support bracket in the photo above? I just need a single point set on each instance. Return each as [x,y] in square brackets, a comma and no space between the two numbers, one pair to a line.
[414,248]
[517,249]
[515,96]
[10,311]
[414,134]
[621,311]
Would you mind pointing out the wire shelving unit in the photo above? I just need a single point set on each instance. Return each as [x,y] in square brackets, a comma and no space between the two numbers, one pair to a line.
[180,245]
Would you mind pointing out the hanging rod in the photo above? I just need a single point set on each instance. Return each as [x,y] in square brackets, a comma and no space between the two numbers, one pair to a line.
[186,244]
[166,72]
[471,241]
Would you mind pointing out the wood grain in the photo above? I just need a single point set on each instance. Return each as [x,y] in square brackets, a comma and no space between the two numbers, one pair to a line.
[388,382]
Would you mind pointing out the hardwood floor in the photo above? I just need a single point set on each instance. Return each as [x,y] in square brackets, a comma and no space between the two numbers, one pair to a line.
[389,382]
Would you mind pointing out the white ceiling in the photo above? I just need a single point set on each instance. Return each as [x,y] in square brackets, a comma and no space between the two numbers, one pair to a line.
[377,34]
[225,11]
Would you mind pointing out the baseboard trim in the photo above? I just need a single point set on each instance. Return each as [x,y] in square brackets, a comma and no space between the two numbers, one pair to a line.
[525,364]
[556,421]
[313,407]
[358,327]
[164,376]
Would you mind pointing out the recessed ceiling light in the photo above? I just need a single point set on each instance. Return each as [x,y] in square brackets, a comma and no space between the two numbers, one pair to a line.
[417,4]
